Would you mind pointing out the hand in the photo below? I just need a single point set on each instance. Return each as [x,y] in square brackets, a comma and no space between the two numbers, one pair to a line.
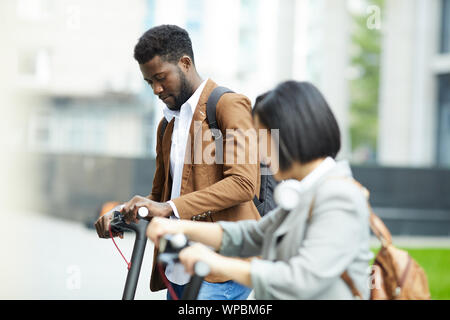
[155,209]
[102,227]
[159,227]
[199,252]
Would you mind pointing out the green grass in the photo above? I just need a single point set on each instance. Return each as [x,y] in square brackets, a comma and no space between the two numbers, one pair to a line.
[436,263]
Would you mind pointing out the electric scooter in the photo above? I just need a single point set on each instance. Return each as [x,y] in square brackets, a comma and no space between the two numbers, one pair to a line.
[119,225]
[169,249]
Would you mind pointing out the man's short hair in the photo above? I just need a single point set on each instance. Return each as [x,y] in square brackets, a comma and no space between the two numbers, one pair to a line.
[170,42]
[307,127]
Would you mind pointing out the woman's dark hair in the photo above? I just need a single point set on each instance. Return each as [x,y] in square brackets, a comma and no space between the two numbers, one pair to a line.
[307,127]
[170,42]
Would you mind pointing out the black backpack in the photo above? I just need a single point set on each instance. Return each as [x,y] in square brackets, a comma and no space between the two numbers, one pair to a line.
[265,202]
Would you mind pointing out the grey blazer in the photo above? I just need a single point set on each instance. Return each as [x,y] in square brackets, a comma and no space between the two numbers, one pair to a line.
[304,259]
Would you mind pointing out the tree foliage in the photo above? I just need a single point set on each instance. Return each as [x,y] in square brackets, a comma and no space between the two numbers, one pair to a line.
[364,88]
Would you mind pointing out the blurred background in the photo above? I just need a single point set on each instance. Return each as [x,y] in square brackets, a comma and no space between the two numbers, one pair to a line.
[78,122]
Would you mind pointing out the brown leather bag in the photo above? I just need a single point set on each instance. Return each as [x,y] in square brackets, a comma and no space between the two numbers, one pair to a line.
[395,275]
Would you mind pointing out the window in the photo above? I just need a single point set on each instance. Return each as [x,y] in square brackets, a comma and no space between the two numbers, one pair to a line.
[34,10]
[194,25]
[248,34]
[443,148]
[33,65]
[445,34]
[39,131]
[27,61]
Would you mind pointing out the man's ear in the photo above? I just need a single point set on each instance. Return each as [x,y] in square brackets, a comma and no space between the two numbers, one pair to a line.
[185,62]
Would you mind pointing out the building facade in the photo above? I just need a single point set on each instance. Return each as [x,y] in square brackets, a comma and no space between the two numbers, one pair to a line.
[415,107]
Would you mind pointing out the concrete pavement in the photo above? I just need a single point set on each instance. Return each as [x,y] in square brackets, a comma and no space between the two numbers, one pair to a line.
[48,258]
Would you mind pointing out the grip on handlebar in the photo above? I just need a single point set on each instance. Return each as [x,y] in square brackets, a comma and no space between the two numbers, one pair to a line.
[143,212]
[118,224]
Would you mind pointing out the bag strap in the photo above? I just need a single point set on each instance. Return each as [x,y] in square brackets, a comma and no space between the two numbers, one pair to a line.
[376,224]
[211,106]
[351,285]
[378,228]
[344,276]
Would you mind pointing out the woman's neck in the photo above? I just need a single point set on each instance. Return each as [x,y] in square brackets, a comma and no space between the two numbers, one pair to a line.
[300,171]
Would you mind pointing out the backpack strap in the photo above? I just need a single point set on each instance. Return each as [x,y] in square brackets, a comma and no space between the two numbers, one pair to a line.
[344,276]
[351,285]
[378,228]
[376,224]
[211,107]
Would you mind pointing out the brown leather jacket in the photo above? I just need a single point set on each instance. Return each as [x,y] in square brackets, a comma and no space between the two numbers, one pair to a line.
[211,192]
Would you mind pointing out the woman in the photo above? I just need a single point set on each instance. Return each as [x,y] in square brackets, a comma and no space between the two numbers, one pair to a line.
[320,229]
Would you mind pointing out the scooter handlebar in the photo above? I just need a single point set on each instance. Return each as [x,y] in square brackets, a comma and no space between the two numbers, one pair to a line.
[143,212]
[118,224]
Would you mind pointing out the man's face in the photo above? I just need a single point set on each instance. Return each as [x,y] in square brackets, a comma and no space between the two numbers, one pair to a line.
[168,81]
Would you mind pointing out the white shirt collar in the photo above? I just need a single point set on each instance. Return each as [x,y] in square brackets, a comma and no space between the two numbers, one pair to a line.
[317,173]
[191,103]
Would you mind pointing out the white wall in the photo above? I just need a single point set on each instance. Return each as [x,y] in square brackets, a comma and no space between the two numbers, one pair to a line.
[407,114]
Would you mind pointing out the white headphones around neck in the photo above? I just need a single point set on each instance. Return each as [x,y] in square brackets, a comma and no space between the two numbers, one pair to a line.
[287,194]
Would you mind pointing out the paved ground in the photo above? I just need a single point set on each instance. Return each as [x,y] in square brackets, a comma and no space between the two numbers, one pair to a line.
[416,242]
[47,258]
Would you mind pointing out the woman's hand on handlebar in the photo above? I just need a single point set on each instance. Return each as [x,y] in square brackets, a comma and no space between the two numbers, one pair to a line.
[199,252]
[208,233]
[155,209]
[235,269]
[159,227]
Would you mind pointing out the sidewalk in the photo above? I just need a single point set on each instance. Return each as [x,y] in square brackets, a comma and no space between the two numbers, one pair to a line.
[415,242]
[49,258]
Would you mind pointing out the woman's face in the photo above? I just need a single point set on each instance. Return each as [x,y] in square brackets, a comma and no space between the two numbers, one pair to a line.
[268,150]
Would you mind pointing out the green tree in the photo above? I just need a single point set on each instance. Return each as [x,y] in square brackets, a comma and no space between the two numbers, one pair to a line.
[364,88]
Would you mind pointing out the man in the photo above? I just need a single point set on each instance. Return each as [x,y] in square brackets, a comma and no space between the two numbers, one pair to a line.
[184,187]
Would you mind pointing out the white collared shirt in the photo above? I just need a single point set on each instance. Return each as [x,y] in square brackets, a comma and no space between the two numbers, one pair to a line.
[318,172]
[183,118]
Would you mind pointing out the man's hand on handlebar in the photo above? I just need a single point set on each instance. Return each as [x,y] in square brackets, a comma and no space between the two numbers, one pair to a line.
[102,226]
[155,209]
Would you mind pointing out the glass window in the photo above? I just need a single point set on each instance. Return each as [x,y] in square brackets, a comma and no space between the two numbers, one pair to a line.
[194,24]
[443,148]
[248,34]
[445,34]
[39,132]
